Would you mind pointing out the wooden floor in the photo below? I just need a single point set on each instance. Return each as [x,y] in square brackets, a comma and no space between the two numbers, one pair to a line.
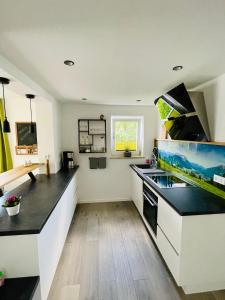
[109,255]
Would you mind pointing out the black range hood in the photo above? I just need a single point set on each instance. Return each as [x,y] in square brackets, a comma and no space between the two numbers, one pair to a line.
[178,99]
[184,114]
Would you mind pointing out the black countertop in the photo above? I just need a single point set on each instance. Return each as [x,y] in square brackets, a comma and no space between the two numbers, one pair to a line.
[19,288]
[39,199]
[187,200]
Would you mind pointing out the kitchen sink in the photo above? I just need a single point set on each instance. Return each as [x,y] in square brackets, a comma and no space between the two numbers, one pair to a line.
[143,166]
[146,169]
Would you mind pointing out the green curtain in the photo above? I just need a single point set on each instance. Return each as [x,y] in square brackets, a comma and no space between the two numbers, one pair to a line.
[5,154]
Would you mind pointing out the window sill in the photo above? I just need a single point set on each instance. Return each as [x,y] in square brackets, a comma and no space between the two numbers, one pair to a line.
[122,157]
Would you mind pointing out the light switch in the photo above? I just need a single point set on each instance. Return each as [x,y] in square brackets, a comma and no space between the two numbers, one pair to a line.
[219,179]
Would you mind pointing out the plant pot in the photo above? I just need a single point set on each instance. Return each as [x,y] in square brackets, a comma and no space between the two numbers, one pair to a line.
[14,210]
[127,154]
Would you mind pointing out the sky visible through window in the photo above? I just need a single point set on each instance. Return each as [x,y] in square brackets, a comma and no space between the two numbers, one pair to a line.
[126,135]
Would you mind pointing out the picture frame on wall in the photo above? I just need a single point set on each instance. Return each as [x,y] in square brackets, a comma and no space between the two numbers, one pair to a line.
[26,141]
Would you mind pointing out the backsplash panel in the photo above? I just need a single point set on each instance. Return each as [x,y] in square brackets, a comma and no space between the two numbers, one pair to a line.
[196,161]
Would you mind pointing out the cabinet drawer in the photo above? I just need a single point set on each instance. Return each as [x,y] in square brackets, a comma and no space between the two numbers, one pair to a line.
[171,223]
[169,254]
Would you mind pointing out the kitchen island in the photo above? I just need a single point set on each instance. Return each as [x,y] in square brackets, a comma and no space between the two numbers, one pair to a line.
[32,242]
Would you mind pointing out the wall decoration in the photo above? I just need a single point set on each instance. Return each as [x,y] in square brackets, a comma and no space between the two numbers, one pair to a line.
[198,162]
[26,140]
[92,135]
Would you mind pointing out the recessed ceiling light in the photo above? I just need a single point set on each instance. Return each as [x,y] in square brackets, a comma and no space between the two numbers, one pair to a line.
[177,68]
[138,100]
[69,63]
[84,99]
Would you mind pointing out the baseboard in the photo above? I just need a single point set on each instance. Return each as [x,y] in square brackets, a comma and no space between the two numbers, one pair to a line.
[102,200]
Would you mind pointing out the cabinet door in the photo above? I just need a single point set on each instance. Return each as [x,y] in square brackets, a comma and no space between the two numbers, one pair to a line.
[136,191]
[169,254]
[170,223]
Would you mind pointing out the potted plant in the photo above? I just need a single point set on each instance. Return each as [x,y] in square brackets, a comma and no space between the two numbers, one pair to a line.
[2,278]
[127,153]
[12,205]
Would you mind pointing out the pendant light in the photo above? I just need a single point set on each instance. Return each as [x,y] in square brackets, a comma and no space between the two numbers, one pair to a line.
[6,125]
[32,127]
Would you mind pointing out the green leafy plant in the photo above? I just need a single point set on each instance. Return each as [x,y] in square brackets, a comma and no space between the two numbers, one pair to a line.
[12,201]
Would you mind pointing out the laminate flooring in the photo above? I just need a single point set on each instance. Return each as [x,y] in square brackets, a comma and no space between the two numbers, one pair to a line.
[108,255]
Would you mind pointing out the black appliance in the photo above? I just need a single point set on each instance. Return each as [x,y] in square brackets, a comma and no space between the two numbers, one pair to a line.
[187,128]
[150,208]
[178,99]
[169,181]
[184,114]
[68,159]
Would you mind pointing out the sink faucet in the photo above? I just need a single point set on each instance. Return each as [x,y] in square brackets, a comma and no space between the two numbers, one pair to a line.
[154,158]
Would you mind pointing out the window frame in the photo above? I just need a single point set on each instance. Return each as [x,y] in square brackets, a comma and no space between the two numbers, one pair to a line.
[140,141]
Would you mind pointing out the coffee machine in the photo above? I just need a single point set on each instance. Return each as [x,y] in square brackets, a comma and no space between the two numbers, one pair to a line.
[68,159]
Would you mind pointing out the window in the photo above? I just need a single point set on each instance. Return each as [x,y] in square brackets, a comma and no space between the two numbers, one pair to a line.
[126,134]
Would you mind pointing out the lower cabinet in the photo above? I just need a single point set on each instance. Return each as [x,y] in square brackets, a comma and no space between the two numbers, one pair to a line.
[52,237]
[191,246]
[169,254]
[39,254]
[169,237]
[137,191]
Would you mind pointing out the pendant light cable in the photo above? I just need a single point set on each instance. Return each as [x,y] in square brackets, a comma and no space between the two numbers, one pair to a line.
[32,125]
[30,112]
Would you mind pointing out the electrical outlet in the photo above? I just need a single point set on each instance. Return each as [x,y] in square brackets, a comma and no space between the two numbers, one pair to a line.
[219,179]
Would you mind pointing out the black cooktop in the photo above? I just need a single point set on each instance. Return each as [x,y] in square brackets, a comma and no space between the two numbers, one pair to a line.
[169,181]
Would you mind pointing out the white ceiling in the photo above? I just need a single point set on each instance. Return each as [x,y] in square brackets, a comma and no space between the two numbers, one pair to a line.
[123,50]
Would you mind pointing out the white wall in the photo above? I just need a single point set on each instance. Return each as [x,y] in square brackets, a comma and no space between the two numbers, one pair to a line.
[46,114]
[18,110]
[112,183]
[57,131]
[214,93]
[49,133]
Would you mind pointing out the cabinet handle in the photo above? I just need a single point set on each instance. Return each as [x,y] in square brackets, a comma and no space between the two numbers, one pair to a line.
[152,202]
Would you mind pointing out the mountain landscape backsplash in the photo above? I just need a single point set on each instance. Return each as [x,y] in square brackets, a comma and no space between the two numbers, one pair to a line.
[180,161]
[196,161]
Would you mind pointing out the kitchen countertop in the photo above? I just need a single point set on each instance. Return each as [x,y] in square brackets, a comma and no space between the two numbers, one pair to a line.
[19,288]
[39,199]
[187,200]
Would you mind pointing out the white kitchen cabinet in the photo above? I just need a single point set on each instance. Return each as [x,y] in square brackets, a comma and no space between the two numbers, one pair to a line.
[193,247]
[52,237]
[169,254]
[170,223]
[137,191]
[39,254]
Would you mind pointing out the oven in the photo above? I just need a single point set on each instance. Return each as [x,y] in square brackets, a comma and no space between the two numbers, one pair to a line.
[150,209]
